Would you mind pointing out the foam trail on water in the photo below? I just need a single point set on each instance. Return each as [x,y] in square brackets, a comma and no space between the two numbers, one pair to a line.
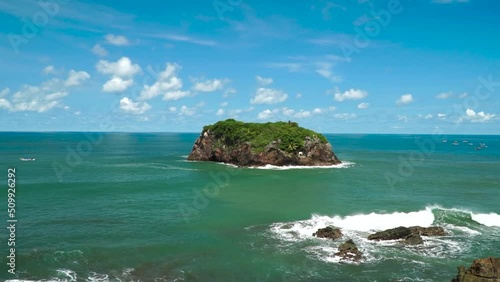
[490,219]
[273,167]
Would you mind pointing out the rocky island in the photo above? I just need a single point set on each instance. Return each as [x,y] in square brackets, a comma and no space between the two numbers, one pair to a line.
[260,144]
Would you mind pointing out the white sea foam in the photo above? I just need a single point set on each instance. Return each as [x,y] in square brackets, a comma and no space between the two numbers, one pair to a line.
[358,226]
[273,167]
[68,273]
[490,219]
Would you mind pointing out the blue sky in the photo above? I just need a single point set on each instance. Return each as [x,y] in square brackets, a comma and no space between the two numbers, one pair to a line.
[333,66]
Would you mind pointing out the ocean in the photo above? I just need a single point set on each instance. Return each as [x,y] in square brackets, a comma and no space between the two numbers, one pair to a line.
[129,207]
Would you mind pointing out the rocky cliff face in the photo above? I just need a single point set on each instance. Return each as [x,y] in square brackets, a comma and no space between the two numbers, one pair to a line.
[314,153]
[481,270]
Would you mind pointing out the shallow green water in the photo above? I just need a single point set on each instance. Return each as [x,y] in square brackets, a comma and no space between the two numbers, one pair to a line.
[131,208]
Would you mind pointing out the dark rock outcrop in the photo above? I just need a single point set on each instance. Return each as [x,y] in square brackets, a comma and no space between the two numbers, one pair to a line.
[391,234]
[428,231]
[481,270]
[413,239]
[328,232]
[314,152]
[411,235]
[349,251]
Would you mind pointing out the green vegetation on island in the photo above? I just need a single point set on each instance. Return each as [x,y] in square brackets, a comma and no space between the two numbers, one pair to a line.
[231,132]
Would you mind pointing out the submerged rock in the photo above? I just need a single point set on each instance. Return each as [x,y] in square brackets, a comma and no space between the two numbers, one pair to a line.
[413,239]
[481,270]
[349,251]
[328,232]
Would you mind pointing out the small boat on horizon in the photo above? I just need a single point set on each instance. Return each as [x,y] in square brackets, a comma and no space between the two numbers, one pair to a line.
[455,143]
[27,159]
[444,140]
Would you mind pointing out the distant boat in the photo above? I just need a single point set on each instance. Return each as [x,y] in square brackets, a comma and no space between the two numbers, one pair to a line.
[465,141]
[444,140]
[478,148]
[471,144]
[27,159]
[455,143]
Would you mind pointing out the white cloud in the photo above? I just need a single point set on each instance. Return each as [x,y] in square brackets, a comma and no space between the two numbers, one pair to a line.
[136,108]
[220,112]
[187,111]
[405,99]
[5,104]
[99,50]
[122,68]
[168,84]
[444,95]
[480,117]
[326,70]
[229,92]
[287,111]
[441,116]
[302,114]
[117,40]
[75,78]
[265,114]
[210,85]
[318,111]
[44,97]
[4,92]
[463,95]
[351,94]
[363,106]
[49,70]
[122,73]
[176,95]
[402,118]
[299,95]
[345,116]
[117,84]
[224,104]
[263,81]
[38,98]
[268,96]
[428,116]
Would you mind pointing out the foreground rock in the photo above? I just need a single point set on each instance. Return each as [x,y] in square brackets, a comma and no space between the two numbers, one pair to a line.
[254,144]
[481,270]
[410,235]
[349,251]
[328,232]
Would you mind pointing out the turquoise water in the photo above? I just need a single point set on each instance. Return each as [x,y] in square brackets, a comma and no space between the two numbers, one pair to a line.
[129,207]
